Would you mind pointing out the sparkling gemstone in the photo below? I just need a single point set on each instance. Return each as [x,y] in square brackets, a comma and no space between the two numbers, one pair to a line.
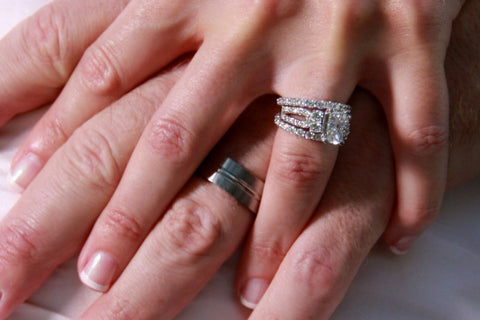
[315,120]
[337,127]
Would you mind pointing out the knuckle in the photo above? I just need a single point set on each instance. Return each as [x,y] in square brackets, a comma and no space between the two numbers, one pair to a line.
[121,224]
[45,42]
[146,98]
[120,308]
[171,140]
[421,20]
[192,229]
[273,252]
[426,10]
[427,140]
[141,107]
[20,241]
[422,216]
[274,8]
[99,71]
[300,171]
[91,159]
[355,13]
[53,131]
[316,271]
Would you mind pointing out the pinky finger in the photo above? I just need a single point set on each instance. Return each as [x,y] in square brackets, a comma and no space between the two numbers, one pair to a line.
[418,122]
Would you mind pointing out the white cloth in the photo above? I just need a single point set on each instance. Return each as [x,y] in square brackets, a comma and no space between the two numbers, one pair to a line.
[437,280]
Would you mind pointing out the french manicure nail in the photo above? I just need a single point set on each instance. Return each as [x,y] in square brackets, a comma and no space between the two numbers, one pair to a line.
[99,271]
[252,292]
[24,171]
[402,245]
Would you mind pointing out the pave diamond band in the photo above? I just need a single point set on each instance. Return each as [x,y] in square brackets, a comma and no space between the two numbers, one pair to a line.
[318,120]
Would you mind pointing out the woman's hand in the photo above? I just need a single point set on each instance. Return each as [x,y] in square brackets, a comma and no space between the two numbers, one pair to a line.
[244,49]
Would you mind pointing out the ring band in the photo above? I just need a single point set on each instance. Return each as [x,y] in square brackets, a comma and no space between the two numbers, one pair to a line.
[245,187]
[325,121]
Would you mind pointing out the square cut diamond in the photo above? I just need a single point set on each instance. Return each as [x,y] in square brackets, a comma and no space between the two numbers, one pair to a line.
[315,121]
[338,127]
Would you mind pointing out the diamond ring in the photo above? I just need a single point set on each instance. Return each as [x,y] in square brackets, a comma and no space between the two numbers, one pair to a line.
[325,121]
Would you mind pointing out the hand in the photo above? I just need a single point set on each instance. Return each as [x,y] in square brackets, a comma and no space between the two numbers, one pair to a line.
[179,253]
[465,142]
[178,256]
[167,271]
[23,261]
[242,51]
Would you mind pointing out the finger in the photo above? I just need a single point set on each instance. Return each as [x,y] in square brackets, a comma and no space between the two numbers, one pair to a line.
[352,215]
[298,172]
[419,131]
[199,232]
[38,56]
[52,218]
[173,145]
[202,227]
[135,46]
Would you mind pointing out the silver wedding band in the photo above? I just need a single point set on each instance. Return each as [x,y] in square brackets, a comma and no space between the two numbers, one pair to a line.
[245,187]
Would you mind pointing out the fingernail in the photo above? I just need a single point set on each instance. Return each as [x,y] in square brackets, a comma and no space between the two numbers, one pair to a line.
[99,271]
[252,292]
[24,171]
[402,245]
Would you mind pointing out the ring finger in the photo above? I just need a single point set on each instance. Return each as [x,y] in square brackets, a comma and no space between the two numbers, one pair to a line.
[297,175]
[172,146]
[317,270]
[201,229]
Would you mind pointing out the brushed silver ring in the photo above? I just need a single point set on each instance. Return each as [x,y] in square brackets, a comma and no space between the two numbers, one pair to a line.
[244,186]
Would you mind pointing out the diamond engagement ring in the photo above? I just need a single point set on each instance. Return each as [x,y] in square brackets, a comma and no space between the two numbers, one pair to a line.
[325,121]
[245,187]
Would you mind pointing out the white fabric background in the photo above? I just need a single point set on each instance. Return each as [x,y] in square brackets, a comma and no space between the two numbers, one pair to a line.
[438,280]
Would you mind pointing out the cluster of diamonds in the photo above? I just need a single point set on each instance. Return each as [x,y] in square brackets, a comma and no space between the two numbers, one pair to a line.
[318,120]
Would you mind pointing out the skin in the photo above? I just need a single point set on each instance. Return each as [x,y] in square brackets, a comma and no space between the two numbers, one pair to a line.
[239,57]
[171,239]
